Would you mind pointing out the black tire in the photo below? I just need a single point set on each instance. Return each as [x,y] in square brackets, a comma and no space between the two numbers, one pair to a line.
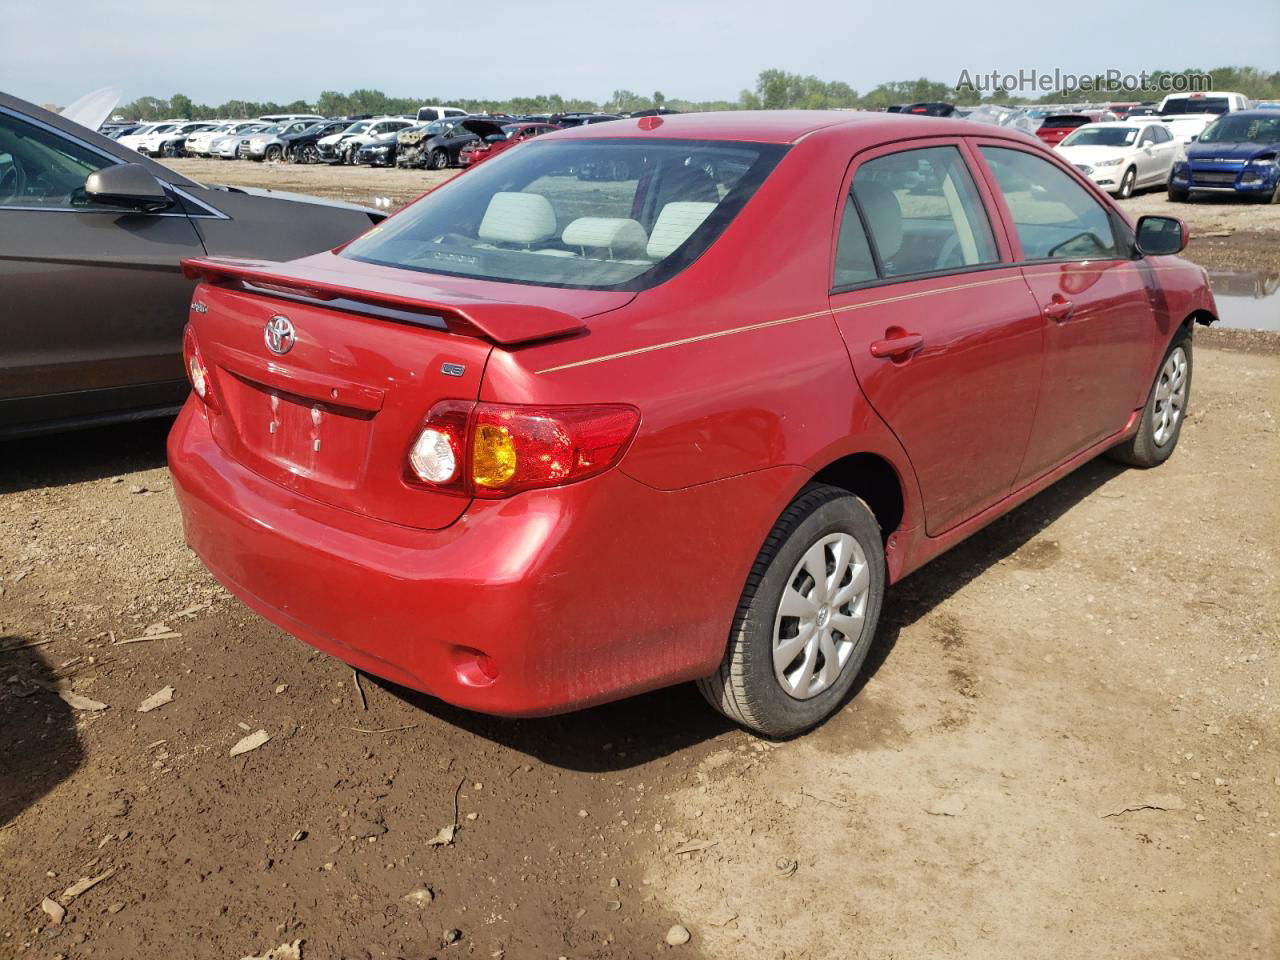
[310,154]
[745,687]
[1127,183]
[1178,196]
[438,160]
[273,153]
[1142,449]
[169,149]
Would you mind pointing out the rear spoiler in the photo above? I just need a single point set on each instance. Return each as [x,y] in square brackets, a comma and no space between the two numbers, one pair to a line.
[495,320]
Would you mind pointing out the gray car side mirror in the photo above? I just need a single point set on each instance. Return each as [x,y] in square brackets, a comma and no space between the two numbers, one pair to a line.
[127,185]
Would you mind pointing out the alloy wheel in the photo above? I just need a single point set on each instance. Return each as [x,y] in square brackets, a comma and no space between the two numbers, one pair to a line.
[1126,184]
[1171,397]
[821,615]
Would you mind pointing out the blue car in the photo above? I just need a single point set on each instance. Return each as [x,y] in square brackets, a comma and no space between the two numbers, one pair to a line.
[1237,153]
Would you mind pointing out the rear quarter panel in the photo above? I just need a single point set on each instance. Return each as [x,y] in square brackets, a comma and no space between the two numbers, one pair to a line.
[273,229]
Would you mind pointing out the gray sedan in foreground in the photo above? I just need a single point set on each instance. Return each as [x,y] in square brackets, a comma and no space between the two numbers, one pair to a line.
[92,298]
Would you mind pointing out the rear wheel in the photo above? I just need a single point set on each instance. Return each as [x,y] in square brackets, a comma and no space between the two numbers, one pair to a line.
[1166,408]
[438,160]
[806,617]
[169,149]
[1126,184]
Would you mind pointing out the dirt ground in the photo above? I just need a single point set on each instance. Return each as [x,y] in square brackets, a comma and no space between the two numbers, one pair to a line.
[1065,747]
[368,186]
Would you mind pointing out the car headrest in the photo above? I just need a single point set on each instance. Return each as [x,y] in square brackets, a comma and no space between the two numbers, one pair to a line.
[621,236]
[884,216]
[675,224]
[518,218]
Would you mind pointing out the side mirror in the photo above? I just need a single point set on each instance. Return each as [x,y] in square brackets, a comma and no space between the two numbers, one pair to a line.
[1195,137]
[1161,236]
[127,185]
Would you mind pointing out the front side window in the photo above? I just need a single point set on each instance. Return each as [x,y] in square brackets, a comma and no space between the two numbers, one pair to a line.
[1055,217]
[923,215]
[39,168]
[601,214]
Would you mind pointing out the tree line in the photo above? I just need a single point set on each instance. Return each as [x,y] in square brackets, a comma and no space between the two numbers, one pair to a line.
[774,90]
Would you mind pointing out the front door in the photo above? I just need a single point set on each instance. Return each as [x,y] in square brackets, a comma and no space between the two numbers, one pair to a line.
[1097,317]
[944,335]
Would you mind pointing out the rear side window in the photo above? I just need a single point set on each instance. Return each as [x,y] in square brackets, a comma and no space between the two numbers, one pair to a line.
[922,213]
[1055,217]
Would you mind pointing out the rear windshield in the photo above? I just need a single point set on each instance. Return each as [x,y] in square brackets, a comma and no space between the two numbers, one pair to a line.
[1180,105]
[1234,128]
[1066,120]
[1102,137]
[597,214]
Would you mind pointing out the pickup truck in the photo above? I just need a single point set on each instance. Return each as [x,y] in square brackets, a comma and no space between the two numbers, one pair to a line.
[1187,114]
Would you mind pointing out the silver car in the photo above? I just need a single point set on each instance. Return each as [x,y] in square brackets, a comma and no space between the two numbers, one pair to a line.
[201,144]
[225,146]
[267,144]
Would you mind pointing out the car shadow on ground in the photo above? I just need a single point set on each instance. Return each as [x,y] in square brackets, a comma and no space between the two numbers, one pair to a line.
[76,456]
[39,746]
[649,727]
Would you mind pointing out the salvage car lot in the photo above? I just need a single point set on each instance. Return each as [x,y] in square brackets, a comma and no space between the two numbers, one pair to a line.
[1073,661]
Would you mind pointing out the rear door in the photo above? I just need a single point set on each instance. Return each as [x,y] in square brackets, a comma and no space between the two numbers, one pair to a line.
[944,335]
[92,300]
[1097,316]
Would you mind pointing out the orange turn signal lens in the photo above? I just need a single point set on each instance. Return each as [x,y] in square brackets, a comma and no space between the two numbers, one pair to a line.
[493,456]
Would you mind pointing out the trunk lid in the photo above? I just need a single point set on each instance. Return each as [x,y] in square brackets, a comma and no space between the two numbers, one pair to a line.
[328,402]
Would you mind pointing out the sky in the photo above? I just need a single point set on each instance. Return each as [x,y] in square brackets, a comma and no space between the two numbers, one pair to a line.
[282,50]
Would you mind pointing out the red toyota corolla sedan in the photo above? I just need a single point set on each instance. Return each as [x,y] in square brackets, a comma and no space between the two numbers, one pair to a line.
[669,400]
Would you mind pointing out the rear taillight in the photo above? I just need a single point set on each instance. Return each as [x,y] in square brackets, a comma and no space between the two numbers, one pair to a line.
[493,450]
[437,457]
[197,372]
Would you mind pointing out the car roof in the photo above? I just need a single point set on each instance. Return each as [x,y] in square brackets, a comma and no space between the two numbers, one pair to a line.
[785,126]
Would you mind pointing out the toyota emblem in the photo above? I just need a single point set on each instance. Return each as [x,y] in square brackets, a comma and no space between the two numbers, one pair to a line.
[279,335]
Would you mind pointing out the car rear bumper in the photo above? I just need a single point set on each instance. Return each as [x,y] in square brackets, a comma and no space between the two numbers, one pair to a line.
[577,595]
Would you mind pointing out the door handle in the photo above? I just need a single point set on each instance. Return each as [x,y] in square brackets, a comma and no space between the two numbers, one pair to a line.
[897,345]
[1058,309]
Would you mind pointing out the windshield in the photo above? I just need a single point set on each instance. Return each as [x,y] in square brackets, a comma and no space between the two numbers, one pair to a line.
[1102,137]
[358,127]
[1234,128]
[596,214]
[1179,105]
